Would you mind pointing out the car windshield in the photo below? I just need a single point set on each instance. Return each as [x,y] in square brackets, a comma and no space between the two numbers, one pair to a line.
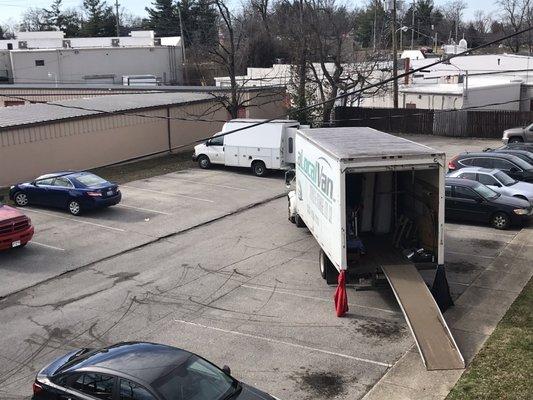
[521,163]
[485,192]
[505,179]
[195,379]
[90,180]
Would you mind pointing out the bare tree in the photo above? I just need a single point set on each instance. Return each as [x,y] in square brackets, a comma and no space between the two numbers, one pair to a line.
[515,17]
[453,12]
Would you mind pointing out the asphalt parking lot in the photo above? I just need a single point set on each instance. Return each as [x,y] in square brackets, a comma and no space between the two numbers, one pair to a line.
[242,290]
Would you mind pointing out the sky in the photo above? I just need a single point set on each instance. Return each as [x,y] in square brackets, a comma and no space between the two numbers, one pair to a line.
[11,10]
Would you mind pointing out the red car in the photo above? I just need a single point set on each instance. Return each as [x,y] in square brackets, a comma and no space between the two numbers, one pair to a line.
[15,228]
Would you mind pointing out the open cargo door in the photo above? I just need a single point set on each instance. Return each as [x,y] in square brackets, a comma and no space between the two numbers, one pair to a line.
[432,336]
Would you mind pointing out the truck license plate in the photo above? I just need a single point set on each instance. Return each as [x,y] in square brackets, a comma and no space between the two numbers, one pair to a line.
[16,243]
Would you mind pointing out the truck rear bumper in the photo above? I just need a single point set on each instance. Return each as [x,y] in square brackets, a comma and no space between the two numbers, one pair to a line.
[18,238]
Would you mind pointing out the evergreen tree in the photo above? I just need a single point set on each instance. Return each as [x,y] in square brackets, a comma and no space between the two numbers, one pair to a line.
[163,18]
[99,19]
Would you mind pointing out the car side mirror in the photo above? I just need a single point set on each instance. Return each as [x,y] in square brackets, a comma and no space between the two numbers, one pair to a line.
[479,200]
[513,169]
[207,143]
[289,177]
[496,184]
[226,370]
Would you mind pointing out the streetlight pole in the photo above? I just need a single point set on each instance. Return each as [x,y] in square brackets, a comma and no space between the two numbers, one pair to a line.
[117,20]
[394,56]
[413,24]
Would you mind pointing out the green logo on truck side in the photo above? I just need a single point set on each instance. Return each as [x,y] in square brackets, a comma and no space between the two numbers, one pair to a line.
[316,173]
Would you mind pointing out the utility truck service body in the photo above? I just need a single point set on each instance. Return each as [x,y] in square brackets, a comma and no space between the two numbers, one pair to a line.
[373,201]
[263,147]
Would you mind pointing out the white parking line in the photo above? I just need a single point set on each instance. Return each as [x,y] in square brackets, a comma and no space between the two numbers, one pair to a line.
[167,194]
[300,346]
[47,246]
[143,209]
[469,254]
[211,184]
[303,296]
[75,220]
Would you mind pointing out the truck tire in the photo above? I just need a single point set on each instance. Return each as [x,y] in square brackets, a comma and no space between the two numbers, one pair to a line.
[204,162]
[515,139]
[259,168]
[299,221]
[500,220]
[327,269]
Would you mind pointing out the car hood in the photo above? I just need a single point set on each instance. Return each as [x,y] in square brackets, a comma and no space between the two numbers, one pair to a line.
[523,188]
[511,201]
[514,130]
[7,212]
[251,393]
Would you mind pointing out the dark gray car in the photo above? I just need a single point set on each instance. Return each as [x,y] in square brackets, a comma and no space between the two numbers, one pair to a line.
[512,165]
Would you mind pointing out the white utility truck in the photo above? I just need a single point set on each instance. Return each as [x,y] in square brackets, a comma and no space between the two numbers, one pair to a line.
[375,204]
[262,147]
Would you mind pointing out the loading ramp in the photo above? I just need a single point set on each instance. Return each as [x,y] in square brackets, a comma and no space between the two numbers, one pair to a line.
[432,336]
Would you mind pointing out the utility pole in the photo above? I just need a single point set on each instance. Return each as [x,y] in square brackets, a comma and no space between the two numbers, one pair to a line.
[183,59]
[413,24]
[394,55]
[117,19]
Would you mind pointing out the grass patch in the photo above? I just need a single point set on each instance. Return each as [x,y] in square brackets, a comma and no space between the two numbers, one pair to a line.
[132,171]
[503,369]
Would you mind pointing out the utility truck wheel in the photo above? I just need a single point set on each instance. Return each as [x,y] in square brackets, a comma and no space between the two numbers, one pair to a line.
[259,168]
[515,139]
[327,269]
[500,220]
[204,162]
[299,221]
[291,217]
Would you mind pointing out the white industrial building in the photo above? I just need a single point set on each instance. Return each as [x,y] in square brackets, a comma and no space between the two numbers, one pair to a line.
[49,57]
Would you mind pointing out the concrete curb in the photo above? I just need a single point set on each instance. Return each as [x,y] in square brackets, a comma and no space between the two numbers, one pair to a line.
[475,316]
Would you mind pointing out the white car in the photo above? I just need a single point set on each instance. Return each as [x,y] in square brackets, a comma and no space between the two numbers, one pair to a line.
[497,180]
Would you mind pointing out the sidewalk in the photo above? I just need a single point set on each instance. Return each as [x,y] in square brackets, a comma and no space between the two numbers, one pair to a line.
[473,318]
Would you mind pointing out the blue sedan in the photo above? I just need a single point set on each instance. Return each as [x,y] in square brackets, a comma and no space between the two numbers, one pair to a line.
[74,191]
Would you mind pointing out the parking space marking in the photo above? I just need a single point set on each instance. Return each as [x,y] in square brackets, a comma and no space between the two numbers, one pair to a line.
[300,346]
[142,209]
[168,194]
[208,184]
[75,220]
[303,296]
[469,229]
[47,246]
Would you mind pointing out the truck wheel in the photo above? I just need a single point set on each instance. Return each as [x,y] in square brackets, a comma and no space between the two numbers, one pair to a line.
[516,139]
[299,221]
[259,168]
[327,269]
[291,217]
[500,220]
[204,162]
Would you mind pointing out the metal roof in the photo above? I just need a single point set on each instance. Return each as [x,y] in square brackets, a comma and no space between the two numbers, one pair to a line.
[350,143]
[30,114]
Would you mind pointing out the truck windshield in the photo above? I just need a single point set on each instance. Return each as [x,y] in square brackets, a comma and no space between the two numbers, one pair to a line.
[505,179]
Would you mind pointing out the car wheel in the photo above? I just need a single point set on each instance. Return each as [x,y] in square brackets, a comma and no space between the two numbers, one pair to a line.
[327,270]
[259,168]
[500,220]
[299,221]
[21,199]
[204,162]
[74,207]
[516,139]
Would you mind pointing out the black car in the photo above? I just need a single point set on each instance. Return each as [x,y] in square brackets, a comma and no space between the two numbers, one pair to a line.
[512,165]
[517,146]
[138,371]
[471,200]
[523,154]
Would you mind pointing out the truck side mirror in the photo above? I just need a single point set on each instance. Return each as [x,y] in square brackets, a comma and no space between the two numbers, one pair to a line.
[289,177]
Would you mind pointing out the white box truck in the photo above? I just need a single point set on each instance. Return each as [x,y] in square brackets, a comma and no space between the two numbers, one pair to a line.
[368,198]
[263,147]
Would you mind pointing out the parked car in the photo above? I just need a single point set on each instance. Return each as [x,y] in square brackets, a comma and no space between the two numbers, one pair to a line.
[518,146]
[518,135]
[471,200]
[139,371]
[16,229]
[74,191]
[512,165]
[523,154]
[497,180]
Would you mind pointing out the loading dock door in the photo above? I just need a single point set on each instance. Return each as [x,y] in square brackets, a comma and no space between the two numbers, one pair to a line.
[433,337]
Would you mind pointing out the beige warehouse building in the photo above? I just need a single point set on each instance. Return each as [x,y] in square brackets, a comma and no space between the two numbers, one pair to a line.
[92,132]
